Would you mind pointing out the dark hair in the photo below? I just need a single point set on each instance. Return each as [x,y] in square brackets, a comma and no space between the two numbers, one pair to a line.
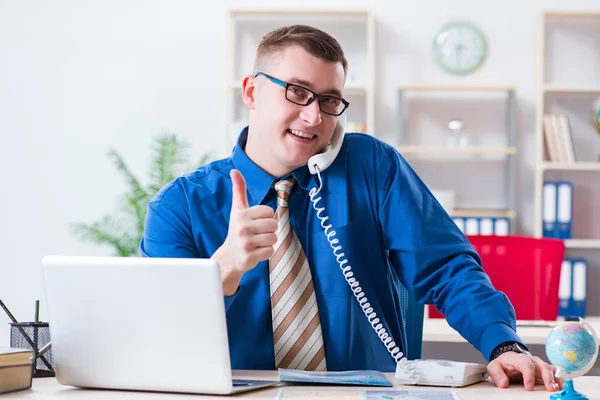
[316,42]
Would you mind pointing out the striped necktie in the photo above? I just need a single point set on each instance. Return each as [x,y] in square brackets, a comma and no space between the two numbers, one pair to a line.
[296,324]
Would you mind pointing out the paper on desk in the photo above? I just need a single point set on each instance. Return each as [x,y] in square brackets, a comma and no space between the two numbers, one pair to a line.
[295,393]
[285,394]
[366,378]
[410,395]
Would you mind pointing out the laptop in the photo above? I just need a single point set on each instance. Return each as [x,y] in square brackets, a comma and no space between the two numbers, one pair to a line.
[152,324]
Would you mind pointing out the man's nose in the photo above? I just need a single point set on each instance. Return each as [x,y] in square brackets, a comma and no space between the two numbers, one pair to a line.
[311,113]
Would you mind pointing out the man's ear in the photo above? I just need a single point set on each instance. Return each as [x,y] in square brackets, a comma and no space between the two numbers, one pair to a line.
[249,91]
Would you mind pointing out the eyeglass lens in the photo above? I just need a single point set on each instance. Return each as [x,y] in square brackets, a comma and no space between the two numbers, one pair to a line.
[301,96]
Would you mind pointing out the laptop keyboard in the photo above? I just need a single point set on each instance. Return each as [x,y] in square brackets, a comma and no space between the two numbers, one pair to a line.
[246,382]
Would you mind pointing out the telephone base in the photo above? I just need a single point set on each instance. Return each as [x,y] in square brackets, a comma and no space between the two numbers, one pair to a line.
[439,373]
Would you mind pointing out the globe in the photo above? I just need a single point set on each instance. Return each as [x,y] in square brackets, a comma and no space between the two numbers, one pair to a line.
[573,348]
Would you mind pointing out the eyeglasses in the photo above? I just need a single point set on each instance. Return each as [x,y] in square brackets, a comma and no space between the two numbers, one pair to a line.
[302,96]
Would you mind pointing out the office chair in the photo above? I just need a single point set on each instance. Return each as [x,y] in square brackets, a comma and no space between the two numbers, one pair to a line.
[536,261]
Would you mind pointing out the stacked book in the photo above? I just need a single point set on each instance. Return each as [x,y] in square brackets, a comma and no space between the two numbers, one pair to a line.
[558,139]
[15,369]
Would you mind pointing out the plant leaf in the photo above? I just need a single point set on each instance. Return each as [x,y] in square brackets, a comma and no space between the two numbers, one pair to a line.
[131,180]
[105,231]
[123,230]
[168,157]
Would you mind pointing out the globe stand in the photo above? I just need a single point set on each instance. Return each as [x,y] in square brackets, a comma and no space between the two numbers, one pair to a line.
[569,393]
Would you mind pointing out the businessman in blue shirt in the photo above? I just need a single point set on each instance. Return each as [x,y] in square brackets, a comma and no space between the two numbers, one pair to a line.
[287,295]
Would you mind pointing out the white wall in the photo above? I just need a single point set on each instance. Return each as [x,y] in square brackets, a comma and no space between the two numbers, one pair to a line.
[80,76]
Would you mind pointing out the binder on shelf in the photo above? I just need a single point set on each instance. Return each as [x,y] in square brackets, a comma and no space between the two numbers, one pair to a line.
[471,226]
[578,292]
[499,226]
[486,226]
[572,291]
[564,289]
[564,209]
[557,209]
[550,228]
[460,222]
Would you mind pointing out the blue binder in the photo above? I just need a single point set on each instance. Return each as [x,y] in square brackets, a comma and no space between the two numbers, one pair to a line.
[549,209]
[564,209]
[565,289]
[579,287]
[501,226]
[483,225]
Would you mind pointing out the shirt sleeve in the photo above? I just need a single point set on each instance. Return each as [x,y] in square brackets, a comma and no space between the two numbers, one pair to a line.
[436,262]
[168,233]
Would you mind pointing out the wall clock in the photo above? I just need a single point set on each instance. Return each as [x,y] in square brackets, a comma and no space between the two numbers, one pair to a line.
[459,47]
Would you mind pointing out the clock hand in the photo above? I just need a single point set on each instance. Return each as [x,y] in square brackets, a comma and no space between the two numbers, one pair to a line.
[459,49]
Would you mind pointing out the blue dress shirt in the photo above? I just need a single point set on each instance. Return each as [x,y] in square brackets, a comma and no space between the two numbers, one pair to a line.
[391,229]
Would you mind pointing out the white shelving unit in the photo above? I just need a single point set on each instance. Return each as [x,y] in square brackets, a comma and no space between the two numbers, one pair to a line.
[502,147]
[353,28]
[568,81]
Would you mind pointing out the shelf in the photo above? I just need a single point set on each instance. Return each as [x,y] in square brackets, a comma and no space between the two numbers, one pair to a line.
[571,89]
[578,166]
[470,88]
[571,14]
[582,243]
[456,150]
[478,212]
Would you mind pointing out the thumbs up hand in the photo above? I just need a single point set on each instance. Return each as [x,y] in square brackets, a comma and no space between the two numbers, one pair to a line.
[250,238]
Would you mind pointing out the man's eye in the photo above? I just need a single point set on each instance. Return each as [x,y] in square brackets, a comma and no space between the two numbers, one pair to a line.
[297,91]
[332,100]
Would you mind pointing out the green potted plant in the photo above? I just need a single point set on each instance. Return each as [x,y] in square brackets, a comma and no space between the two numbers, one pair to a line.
[123,229]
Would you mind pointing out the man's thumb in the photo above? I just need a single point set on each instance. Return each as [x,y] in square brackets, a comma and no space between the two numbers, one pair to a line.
[238,188]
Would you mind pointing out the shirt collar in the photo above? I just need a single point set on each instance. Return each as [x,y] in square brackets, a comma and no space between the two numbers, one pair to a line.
[258,181]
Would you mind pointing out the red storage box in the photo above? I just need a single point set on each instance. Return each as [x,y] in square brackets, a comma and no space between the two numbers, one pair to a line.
[526,269]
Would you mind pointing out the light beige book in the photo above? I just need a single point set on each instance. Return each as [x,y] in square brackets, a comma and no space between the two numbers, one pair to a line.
[15,369]
[566,138]
[551,139]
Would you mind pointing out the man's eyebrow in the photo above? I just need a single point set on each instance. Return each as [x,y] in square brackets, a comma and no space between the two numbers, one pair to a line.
[302,82]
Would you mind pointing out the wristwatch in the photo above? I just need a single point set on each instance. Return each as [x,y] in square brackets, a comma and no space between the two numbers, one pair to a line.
[509,346]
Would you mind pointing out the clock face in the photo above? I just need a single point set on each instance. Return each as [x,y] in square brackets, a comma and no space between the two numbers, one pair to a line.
[459,48]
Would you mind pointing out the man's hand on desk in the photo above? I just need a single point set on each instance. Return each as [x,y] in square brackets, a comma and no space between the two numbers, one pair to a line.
[530,370]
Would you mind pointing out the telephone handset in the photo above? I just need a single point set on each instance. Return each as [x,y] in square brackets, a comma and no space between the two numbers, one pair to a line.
[411,372]
[322,161]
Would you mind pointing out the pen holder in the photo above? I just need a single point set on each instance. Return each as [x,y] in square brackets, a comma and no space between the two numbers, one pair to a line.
[34,336]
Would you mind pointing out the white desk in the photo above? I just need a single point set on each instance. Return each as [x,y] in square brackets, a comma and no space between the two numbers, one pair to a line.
[438,330]
[48,388]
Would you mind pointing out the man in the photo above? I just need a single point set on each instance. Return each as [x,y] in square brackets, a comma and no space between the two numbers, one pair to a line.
[288,303]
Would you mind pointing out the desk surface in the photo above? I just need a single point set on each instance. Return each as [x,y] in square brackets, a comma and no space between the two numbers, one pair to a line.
[438,330]
[48,388]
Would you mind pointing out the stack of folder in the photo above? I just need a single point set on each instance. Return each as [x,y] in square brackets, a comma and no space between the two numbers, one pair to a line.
[572,290]
[557,209]
[499,226]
